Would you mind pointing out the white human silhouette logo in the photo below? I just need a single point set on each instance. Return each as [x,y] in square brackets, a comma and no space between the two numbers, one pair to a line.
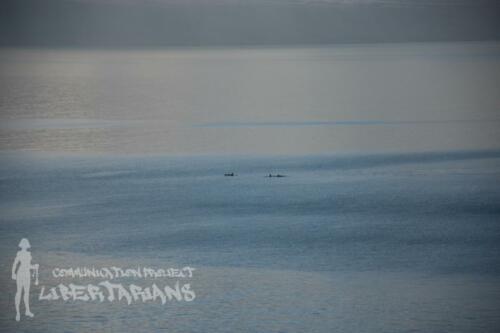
[21,272]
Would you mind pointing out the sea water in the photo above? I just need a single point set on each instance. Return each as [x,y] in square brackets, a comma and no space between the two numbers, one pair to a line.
[387,219]
[342,243]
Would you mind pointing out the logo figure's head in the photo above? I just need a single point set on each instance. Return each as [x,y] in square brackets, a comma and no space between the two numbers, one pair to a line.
[24,244]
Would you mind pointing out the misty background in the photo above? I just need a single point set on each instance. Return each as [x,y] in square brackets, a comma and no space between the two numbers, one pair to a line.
[158,23]
[240,77]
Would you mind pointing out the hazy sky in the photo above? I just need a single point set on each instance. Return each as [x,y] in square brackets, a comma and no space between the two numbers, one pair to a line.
[156,23]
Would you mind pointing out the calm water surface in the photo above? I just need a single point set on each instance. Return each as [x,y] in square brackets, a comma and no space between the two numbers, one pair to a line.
[344,243]
[116,158]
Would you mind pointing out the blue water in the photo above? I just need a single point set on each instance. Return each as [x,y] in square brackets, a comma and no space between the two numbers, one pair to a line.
[344,243]
[117,158]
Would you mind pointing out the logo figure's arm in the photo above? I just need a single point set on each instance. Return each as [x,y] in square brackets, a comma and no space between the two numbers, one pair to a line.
[35,267]
[14,268]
